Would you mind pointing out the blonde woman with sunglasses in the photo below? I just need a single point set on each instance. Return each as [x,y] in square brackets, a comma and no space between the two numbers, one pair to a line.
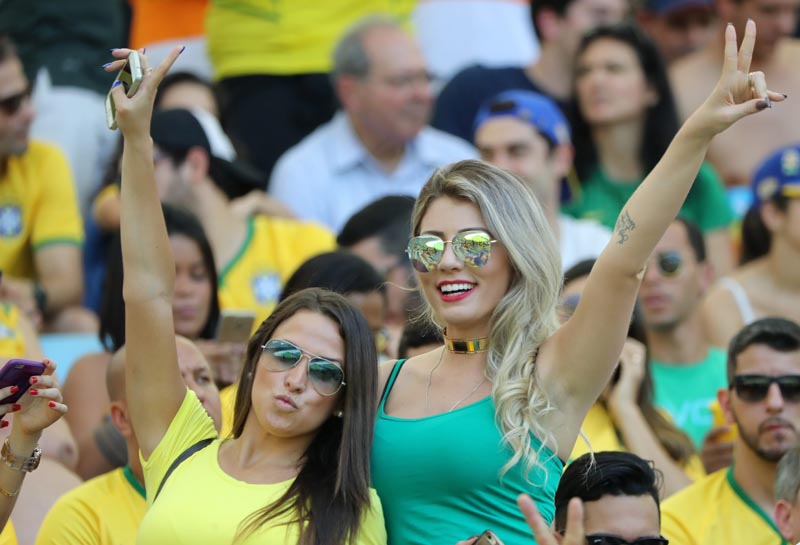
[296,469]
[463,430]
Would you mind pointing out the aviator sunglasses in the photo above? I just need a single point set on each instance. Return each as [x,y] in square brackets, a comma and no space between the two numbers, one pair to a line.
[11,105]
[669,263]
[326,376]
[754,388]
[605,539]
[472,247]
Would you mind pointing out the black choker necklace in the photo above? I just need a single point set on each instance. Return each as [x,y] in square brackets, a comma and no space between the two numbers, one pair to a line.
[466,346]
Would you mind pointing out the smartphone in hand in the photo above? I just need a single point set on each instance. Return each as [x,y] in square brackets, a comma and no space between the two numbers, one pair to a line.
[234,326]
[488,538]
[130,77]
[18,372]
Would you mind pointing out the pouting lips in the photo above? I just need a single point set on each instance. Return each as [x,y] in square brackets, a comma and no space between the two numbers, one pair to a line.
[451,289]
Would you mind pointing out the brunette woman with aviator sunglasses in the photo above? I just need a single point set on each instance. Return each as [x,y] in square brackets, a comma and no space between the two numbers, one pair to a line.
[297,467]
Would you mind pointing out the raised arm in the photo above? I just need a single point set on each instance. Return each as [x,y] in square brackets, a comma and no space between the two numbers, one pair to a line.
[582,355]
[153,383]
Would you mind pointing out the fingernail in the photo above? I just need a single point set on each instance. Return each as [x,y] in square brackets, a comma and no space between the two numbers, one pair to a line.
[106,65]
[47,362]
[761,105]
[4,424]
[52,404]
[768,101]
[34,380]
[729,24]
[116,83]
[14,389]
[785,95]
[16,407]
[113,49]
[182,49]
[34,392]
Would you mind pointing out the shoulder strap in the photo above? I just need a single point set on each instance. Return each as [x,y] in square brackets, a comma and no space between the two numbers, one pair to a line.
[390,381]
[200,445]
[740,296]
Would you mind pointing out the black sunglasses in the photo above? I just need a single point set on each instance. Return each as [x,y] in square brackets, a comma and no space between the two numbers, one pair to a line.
[11,105]
[754,388]
[606,539]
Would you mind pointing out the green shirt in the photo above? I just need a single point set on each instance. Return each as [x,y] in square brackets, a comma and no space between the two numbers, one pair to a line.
[686,390]
[601,198]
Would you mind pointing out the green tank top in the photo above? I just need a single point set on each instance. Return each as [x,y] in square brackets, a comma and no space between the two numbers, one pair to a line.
[439,477]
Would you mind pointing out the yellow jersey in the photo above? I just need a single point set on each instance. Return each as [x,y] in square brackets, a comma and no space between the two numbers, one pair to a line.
[599,429]
[270,253]
[714,511]
[38,207]
[12,343]
[105,510]
[8,536]
[182,516]
[248,37]
[227,397]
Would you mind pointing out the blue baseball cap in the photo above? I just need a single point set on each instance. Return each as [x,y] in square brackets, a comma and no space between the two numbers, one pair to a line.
[664,7]
[538,110]
[778,175]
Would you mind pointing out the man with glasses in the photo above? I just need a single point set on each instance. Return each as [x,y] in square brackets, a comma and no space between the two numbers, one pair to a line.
[526,133]
[687,371]
[380,143]
[41,233]
[735,505]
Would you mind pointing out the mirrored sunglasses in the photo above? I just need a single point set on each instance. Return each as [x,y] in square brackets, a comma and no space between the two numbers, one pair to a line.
[669,263]
[326,376]
[11,105]
[754,388]
[474,248]
[605,539]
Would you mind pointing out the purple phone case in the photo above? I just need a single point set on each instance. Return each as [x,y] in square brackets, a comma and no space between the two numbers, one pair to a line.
[18,372]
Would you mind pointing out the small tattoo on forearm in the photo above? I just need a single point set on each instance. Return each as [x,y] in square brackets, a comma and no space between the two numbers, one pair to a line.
[624,226]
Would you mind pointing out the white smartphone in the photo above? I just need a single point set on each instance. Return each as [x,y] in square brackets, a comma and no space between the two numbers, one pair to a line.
[130,76]
[234,326]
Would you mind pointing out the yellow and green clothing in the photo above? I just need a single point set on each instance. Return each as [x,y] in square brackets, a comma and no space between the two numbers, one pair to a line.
[12,343]
[599,429]
[284,37]
[600,198]
[105,510]
[716,511]
[38,207]
[272,250]
[182,516]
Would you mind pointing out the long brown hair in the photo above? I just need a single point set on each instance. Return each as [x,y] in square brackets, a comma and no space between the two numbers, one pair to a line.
[331,491]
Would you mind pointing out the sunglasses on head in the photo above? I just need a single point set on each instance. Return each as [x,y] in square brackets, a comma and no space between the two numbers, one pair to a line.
[326,376]
[605,539]
[669,263]
[11,105]
[754,388]
[472,247]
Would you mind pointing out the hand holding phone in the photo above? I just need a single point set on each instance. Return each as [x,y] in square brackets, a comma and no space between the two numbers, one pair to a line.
[488,538]
[18,372]
[130,77]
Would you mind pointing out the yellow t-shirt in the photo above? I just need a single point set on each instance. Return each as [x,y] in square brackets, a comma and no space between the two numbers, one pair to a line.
[202,505]
[227,397]
[105,510]
[716,511]
[12,344]
[38,207]
[8,536]
[602,434]
[247,37]
[273,249]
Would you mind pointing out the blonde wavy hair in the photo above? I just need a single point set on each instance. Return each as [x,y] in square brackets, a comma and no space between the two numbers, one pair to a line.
[526,315]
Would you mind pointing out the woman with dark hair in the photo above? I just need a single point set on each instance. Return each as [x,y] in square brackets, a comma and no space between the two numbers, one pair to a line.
[196,313]
[624,118]
[297,468]
[767,282]
[625,417]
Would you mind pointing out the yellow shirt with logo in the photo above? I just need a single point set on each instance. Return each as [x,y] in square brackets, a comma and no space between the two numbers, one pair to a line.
[105,510]
[38,207]
[273,249]
[599,429]
[716,511]
[12,343]
[248,37]
[201,504]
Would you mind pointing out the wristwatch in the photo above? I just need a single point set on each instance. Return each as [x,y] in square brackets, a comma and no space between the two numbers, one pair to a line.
[20,464]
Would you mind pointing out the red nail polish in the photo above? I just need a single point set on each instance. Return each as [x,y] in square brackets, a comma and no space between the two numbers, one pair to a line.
[52,404]
[34,392]
[14,389]
[34,380]
[3,424]
[16,407]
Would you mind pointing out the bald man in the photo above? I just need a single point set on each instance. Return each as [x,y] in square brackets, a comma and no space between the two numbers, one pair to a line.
[107,510]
